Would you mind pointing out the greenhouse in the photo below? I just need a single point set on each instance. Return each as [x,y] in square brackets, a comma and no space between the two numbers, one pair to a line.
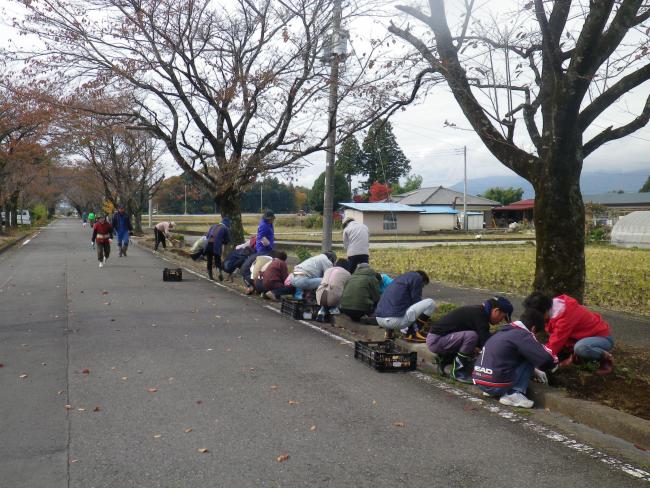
[633,230]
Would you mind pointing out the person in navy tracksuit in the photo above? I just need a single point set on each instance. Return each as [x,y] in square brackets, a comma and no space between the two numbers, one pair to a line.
[509,359]
[122,227]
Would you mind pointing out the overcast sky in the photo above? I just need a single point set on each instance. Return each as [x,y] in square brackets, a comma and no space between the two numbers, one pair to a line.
[435,150]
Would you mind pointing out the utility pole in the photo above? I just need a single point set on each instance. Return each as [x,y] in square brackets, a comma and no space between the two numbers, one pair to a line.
[261,191]
[465,188]
[185,198]
[336,52]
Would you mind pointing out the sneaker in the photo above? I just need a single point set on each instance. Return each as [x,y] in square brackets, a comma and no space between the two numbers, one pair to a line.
[105,260]
[606,365]
[271,296]
[101,265]
[516,399]
[298,294]
[335,311]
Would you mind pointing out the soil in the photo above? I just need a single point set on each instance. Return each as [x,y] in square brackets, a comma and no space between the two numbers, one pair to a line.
[626,389]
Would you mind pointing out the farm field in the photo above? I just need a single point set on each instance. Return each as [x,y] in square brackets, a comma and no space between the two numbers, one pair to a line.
[617,279]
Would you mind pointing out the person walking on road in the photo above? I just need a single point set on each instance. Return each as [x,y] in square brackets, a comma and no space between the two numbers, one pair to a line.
[91,218]
[122,227]
[356,242]
[161,233]
[101,239]
[84,219]
[510,357]
[265,234]
[459,335]
[576,333]
[217,238]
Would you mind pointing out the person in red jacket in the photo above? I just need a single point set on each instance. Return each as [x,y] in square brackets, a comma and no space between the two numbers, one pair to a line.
[102,235]
[575,332]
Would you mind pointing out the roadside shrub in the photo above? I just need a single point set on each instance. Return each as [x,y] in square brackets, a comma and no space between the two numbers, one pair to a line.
[314,221]
[302,253]
[597,234]
[39,213]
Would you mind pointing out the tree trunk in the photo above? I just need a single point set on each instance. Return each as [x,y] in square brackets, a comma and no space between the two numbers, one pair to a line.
[137,221]
[13,209]
[230,206]
[559,226]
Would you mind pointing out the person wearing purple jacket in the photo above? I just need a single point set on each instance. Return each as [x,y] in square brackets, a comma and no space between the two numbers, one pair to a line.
[509,359]
[401,306]
[265,234]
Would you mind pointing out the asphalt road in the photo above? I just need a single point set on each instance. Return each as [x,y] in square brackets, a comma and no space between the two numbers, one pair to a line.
[140,362]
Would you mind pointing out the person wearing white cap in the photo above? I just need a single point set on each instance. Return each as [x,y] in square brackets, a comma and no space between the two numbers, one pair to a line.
[356,242]
[161,233]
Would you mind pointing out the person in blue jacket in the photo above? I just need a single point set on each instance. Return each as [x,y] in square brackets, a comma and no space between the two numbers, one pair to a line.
[265,234]
[122,227]
[510,357]
[217,238]
[401,306]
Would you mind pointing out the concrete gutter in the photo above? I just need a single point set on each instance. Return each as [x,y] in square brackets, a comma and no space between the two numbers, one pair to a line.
[600,417]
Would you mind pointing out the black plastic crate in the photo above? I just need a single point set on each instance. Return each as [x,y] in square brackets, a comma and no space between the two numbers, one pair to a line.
[173,274]
[299,309]
[385,356]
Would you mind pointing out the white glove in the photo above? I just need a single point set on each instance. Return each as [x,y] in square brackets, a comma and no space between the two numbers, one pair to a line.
[541,376]
[265,241]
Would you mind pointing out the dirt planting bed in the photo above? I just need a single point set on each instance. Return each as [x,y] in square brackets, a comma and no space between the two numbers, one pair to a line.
[627,389]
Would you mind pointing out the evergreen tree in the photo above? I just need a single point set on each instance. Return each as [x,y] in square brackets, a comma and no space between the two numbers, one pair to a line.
[349,159]
[646,187]
[383,160]
[341,192]
[505,196]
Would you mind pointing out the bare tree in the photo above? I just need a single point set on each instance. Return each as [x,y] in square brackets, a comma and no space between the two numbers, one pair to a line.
[566,63]
[128,165]
[233,89]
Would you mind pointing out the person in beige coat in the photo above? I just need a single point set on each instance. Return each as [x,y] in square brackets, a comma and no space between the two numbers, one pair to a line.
[330,290]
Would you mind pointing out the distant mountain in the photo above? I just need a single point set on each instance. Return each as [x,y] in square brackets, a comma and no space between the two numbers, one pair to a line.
[590,183]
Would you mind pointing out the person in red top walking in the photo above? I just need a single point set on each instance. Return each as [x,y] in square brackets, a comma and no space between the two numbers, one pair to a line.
[574,331]
[102,235]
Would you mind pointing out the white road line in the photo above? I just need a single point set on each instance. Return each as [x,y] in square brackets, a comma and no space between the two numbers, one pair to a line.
[490,406]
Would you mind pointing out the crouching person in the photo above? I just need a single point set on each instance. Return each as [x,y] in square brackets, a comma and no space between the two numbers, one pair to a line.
[308,275]
[575,333]
[402,307]
[361,293]
[274,276]
[456,337]
[330,290]
[510,357]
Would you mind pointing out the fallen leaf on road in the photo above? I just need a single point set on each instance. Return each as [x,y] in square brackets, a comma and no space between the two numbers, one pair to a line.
[312,428]
[81,409]
[188,430]
[199,402]
[282,458]
[104,292]
[60,392]
[292,402]
[85,371]
[399,424]
[274,387]
[202,450]
[74,461]
[157,436]
[2,365]
[374,402]
[23,376]
[641,448]
[67,407]
[107,303]
[152,390]
[125,378]
[97,409]
[113,368]
[467,408]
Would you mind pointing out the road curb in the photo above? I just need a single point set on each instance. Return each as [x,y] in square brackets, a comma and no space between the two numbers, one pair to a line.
[8,245]
[600,417]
